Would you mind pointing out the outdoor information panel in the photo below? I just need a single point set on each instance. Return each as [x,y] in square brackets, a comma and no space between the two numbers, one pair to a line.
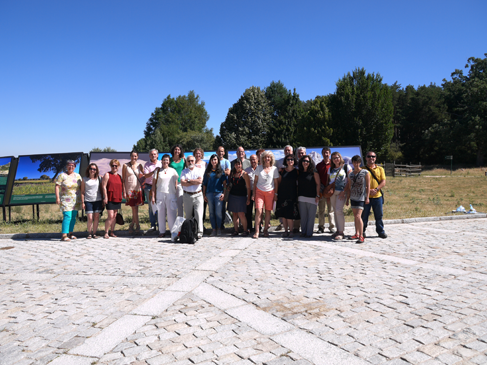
[4,170]
[36,175]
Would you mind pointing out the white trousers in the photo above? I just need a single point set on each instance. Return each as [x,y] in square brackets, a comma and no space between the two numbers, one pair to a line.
[166,203]
[193,205]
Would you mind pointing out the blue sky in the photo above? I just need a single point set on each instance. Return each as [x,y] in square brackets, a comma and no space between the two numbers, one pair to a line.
[78,75]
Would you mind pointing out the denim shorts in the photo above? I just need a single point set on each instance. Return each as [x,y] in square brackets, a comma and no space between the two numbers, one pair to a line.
[357,204]
[93,207]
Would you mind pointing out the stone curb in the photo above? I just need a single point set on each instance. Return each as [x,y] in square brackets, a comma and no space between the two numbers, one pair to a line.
[23,236]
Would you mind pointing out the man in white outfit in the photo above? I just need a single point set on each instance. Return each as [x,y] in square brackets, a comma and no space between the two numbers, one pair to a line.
[191,180]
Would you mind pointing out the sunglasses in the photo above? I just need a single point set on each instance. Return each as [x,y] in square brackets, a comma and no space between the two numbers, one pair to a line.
[114,166]
[305,161]
[290,159]
[92,169]
[371,156]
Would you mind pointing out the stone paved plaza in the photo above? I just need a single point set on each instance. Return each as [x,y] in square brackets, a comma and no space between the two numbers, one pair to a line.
[418,297]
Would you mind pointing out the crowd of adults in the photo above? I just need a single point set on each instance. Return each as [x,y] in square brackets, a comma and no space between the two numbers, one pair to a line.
[293,187]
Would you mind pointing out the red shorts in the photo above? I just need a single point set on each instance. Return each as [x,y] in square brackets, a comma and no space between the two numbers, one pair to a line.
[264,198]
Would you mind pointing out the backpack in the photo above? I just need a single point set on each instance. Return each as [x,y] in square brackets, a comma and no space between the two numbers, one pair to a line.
[189,231]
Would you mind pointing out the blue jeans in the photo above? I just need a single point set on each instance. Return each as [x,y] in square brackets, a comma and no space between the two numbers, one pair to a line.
[376,205]
[69,220]
[215,208]
[152,216]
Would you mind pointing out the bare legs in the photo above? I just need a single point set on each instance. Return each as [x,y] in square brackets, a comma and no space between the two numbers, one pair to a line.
[110,223]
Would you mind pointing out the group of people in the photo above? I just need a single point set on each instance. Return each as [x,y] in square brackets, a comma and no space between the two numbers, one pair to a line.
[293,187]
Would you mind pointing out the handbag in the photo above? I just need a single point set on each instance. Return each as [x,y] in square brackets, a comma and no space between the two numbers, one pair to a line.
[119,219]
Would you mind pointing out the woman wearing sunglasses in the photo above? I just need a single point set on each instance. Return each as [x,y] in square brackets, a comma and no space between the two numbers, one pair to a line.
[91,198]
[338,175]
[112,196]
[286,206]
[308,194]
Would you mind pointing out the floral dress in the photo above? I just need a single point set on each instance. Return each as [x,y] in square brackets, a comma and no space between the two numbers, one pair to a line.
[132,187]
[70,191]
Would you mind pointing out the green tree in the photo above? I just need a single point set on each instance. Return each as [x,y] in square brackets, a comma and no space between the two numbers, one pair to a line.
[466,97]
[287,111]
[362,112]
[106,149]
[423,121]
[247,121]
[178,120]
[314,127]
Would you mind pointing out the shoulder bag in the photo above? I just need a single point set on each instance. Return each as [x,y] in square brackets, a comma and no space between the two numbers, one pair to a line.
[378,182]
[330,188]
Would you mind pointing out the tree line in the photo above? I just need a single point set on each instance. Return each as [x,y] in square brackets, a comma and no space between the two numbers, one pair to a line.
[404,124]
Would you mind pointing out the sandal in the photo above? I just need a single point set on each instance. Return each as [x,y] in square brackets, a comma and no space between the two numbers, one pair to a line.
[245,233]
[89,237]
[339,237]
[95,236]
[106,236]
[255,236]
[234,233]
[131,228]
[73,237]
[354,237]
[266,233]
[162,235]
[65,239]
[112,235]
[360,239]
[334,234]
[285,235]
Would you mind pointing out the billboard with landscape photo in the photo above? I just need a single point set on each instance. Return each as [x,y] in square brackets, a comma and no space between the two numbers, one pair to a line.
[4,170]
[347,153]
[36,175]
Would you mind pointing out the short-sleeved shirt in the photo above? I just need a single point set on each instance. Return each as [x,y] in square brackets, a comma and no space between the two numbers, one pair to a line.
[251,172]
[148,168]
[213,183]
[358,185]
[178,167]
[381,175]
[225,164]
[266,180]
[166,179]
[245,164]
[339,177]
[69,191]
[92,189]
[193,174]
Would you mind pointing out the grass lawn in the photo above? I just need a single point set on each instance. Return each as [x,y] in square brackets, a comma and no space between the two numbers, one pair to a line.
[433,194]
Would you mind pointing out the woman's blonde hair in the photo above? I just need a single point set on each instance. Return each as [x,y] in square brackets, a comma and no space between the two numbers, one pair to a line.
[114,162]
[341,159]
[264,155]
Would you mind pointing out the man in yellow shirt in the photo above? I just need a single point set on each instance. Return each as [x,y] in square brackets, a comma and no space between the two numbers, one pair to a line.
[377,182]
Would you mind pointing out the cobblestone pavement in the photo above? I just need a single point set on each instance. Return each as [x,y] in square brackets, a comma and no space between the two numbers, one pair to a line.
[418,297]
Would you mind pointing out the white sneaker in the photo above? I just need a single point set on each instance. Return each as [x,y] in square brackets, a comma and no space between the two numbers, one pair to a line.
[199,236]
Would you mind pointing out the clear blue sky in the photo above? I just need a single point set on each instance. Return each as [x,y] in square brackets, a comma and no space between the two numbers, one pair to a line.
[78,75]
